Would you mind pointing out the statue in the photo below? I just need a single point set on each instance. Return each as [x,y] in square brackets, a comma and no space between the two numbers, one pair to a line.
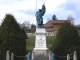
[39,17]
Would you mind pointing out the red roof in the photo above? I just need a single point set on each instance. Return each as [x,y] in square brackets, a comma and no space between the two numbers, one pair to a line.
[51,22]
[60,21]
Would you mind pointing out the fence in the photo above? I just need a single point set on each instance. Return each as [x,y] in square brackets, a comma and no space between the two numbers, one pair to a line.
[8,57]
[50,58]
[47,34]
[68,56]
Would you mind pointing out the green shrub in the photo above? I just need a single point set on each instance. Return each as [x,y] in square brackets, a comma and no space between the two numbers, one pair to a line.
[67,41]
[12,38]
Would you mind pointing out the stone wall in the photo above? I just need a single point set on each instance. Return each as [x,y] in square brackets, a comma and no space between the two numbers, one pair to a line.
[47,34]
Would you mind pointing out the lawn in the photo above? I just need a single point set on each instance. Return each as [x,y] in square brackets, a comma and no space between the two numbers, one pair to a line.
[79,31]
[31,42]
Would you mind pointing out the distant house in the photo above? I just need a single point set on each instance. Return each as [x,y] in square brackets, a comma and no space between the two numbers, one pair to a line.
[53,26]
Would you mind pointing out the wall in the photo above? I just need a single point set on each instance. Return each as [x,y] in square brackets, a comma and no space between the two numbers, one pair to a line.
[56,27]
[47,34]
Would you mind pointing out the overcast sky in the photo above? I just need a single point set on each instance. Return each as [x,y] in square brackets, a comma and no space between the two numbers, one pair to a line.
[24,10]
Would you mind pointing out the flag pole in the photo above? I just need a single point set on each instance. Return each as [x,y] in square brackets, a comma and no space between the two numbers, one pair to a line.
[36,11]
[36,5]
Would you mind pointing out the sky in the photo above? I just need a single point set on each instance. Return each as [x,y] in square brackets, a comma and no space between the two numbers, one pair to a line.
[24,10]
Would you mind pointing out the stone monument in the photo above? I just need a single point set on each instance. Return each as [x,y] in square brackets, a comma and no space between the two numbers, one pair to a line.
[40,52]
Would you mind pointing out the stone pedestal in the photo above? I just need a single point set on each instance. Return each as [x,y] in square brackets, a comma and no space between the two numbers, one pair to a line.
[40,51]
[40,42]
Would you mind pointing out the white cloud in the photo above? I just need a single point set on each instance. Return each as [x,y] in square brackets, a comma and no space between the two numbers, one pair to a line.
[19,9]
[53,5]
[21,17]
[77,4]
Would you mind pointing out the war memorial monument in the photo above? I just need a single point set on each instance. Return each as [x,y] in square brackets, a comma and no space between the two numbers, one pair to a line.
[40,52]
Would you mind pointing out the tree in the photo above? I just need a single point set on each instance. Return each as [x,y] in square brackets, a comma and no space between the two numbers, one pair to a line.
[54,17]
[27,24]
[67,41]
[12,38]
[33,28]
[70,17]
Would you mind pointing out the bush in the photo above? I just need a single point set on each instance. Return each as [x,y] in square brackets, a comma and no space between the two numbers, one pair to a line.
[67,41]
[12,38]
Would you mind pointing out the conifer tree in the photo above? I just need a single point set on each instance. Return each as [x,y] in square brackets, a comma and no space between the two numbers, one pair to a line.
[67,41]
[54,17]
[12,38]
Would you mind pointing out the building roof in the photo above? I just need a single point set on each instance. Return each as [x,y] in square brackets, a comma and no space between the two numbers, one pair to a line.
[60,21]
[51,22]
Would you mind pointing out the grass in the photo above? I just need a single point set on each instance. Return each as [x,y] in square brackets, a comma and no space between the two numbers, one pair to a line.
[31,42]
[79,31]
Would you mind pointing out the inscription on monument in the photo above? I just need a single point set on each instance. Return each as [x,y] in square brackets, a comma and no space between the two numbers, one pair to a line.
[40,41]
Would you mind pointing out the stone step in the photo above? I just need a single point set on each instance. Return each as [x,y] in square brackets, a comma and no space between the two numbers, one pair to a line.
[41,55]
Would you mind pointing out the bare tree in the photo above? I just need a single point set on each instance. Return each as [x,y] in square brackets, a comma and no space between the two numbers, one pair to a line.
[70,17]
[27,24]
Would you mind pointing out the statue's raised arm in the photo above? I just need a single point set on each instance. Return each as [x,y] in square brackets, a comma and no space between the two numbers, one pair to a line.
[39,17]
[43,9]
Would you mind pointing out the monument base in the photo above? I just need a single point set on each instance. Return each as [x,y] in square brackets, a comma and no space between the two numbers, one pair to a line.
[40,55]
[40,51]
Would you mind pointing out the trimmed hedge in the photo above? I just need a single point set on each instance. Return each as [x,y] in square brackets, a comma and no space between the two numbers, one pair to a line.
[12,38]
[67,41]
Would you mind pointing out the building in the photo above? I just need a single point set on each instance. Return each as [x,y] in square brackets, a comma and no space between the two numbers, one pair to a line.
[53,26]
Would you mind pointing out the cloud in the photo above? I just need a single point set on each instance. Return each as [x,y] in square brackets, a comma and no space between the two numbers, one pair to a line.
[24,10]
[77,4]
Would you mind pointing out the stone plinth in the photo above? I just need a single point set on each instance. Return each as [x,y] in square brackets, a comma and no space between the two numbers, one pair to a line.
[40,42]
[40,51]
